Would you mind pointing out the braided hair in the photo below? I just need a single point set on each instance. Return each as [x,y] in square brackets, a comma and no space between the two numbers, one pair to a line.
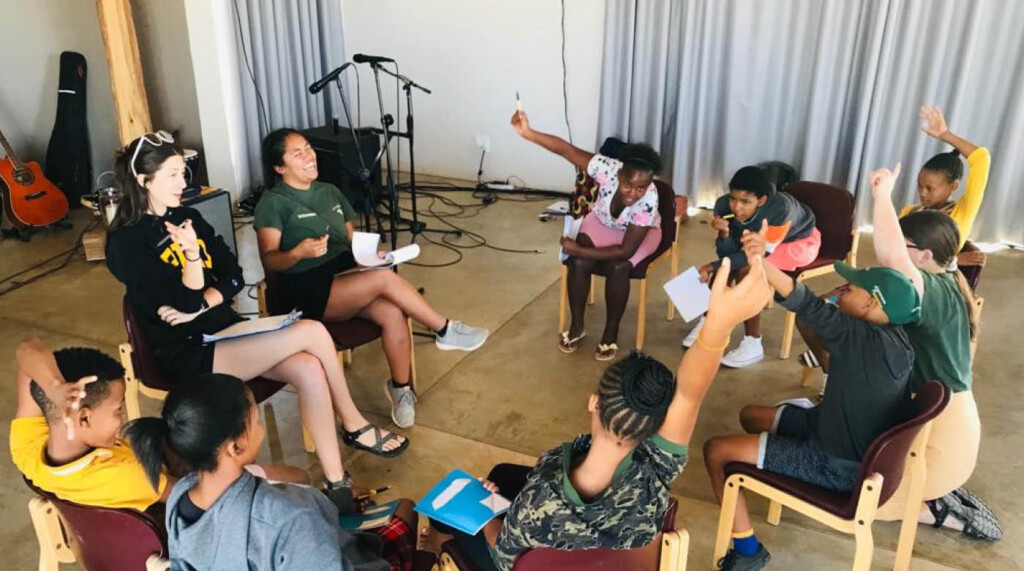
[633,396]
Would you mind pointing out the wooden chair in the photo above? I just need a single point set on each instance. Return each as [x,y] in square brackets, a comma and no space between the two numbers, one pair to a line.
[833,208]
[347,335]
[898,450]
[95,538]
[142,373]
[672,209]
[668,552]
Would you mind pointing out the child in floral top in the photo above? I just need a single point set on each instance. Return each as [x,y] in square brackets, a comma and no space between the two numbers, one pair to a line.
[622,229]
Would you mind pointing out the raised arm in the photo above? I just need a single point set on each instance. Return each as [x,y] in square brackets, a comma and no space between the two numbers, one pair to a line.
[728,308]
[575,155]
[934,124]
[890,245]
[36,363]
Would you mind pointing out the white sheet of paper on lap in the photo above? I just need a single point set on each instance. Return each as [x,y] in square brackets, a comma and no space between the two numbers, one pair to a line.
[364,250]
[253,327]
[688,294]
[570,229]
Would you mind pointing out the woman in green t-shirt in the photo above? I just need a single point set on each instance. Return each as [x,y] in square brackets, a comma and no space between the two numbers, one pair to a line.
[304,228]
[923,246]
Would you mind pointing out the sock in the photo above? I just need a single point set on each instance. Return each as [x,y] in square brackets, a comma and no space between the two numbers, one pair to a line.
[444,330]
[745,543]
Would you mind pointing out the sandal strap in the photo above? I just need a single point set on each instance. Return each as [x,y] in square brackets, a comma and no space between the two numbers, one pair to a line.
[378,442]
[940,511]
[359,431]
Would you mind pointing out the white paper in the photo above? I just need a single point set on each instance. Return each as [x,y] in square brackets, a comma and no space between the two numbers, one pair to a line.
[497,503]
[253,326]
[570,229]
[688,294]
[364,250]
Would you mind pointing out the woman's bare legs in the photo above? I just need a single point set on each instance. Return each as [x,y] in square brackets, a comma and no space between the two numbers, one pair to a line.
[354,292]
[394,337]
[264,354]
[578,285]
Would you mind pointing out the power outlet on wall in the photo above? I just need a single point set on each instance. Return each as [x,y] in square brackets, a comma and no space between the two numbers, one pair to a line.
[483,143]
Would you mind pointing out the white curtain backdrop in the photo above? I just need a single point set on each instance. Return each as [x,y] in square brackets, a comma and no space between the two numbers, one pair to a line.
[289,45]
[829,86]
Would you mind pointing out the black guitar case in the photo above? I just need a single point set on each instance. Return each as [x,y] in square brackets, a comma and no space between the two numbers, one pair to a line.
[68,156]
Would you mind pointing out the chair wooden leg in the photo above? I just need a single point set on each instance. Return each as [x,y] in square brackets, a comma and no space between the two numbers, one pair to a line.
[725,519]
[273,438]
[641,316]
[805,376]
[774,512]
[131,382]
[307,441]
[412,356]
[917,471]
[675,546]
[865,547]
[675,270]
[347,357]
[787,335]
[563,299]
[53,549]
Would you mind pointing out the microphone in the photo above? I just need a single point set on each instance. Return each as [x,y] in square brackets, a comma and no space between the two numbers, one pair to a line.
[362,58]
[321,83]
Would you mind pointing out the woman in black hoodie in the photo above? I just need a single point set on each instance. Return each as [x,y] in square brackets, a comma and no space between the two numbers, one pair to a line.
[180,279]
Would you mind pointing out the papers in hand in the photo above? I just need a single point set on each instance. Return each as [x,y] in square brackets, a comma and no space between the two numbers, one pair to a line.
[364,250]
[688,294]
[253,327]
[461,501]
[371,517]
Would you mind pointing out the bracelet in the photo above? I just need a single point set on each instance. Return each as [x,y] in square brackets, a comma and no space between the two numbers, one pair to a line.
[197,258]
[700,341]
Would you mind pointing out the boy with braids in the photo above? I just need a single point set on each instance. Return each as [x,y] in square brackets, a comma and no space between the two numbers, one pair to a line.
[610,488]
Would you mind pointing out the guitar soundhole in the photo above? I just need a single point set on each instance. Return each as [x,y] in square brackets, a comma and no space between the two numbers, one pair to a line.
[35,195]
[24,177]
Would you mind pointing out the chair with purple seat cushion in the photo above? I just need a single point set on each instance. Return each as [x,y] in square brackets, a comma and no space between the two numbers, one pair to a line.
[668,552]
[347,335]
[672,209]
[142,372]
[897,452]
[833,210]
[96,538]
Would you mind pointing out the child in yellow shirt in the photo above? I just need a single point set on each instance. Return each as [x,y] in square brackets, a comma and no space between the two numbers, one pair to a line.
[64,437]
[940,177]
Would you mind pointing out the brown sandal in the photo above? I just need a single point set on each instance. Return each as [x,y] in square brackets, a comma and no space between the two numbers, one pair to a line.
[567,345]
[606,352]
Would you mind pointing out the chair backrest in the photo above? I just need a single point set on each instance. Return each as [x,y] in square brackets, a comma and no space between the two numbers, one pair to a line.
[646,557]
[888,453]
[144,363]
[667,211]
[104,538]
[833,210]
[271,285]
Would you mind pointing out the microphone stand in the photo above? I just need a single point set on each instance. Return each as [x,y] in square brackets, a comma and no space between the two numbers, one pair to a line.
[363,175]
[416,226]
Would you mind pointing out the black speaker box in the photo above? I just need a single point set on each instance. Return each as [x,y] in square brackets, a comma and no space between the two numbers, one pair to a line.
[338,162]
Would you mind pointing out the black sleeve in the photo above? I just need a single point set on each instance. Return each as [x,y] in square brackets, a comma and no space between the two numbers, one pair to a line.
[226,271]
[150,285]
[832,325]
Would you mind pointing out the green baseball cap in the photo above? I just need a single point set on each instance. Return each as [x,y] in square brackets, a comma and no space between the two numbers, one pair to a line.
[894,291]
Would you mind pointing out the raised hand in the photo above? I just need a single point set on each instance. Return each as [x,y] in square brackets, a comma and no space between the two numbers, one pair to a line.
[721,225]
[754,242]
[882,181]
[521,123]
[730,306]
[932,121]
[184,236]
[311,247]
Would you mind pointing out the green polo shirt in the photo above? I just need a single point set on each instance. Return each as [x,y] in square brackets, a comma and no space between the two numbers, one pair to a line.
[310,213]
[942,336]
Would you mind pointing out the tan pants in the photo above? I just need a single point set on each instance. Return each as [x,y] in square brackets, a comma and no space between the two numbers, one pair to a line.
[950,458]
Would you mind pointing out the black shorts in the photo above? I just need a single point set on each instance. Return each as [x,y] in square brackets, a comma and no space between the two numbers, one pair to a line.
[185,360]
[788,450]
[309,291]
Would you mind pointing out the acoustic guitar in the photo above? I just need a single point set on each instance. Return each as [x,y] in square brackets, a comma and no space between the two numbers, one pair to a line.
[29,198]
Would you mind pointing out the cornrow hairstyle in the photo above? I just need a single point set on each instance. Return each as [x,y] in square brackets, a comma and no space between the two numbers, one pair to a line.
[640,157]
[73,364]
[633,396]
[751,179]
[948,163]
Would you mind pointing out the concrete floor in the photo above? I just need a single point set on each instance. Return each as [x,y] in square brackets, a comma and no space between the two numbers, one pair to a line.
[519,396]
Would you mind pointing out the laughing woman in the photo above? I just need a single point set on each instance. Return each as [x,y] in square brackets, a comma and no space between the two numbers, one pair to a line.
[180,279]
[304,228]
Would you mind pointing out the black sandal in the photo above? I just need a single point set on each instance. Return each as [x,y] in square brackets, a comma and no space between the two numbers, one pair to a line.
[352,439]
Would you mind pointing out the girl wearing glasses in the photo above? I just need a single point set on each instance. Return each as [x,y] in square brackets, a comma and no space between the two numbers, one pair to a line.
[180,279]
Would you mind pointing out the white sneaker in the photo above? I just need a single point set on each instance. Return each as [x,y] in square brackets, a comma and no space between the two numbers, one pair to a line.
[692,337]
[403,404]
[750,351]
[462,337]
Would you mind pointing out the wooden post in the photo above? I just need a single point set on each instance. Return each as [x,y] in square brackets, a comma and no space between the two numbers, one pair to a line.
[122,48]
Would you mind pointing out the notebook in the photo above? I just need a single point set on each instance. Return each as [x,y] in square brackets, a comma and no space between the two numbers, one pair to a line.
[372,516]
[364,250]
[253,327]
[461,501]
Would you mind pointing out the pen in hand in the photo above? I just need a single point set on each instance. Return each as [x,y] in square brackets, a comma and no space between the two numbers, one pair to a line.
[372,493]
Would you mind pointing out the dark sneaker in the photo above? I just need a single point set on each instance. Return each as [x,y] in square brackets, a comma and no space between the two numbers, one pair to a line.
[340,494]
[733,561]
[979,520]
